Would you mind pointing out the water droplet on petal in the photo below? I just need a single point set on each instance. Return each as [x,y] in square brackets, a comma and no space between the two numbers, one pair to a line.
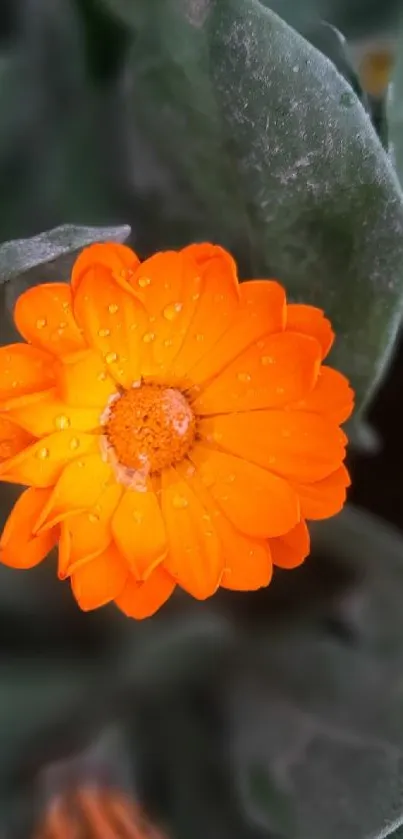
[137,516]
[244,377]
[180,502]
[113,308]
[144,282]
[14,384]
[230,478]
[63,324]
[110,357]
[172,310]
[42,454]
[103,333]
[62,422]
[41,323]
[74,443]
[168,342]
[101,377]
[196,295]
[267,359]
[148,337]
[199,336]
[93,518]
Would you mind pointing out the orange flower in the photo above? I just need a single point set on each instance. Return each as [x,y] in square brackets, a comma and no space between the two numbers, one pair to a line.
[173,427]
[96,814]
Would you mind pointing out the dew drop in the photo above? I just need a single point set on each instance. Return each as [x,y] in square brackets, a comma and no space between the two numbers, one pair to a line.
[103,333]
[199,336]
[196,295]
[172,310]
[229,479]
[101,377]
[74,443]
[66,306]
[113,308]
[62,422]
[267,359]
[110,357]
[168,342]
[137,516]
[41,323]
[93,518]
[149,337]
[180,502]
[14,384]
[144,282]
[63,324]
[244,377]
[42,454]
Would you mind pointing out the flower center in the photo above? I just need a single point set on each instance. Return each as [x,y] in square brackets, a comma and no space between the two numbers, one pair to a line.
[150,427]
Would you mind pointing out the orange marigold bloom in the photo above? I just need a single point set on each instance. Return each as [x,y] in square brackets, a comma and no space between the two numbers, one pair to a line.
[173,426]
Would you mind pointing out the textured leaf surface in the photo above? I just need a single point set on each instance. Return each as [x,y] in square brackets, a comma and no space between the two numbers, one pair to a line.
[326,209]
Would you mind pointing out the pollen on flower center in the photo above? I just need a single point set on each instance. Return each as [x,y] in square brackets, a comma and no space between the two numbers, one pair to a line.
[150,427]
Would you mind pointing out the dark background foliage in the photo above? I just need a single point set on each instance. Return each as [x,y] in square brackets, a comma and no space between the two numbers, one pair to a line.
[276,714]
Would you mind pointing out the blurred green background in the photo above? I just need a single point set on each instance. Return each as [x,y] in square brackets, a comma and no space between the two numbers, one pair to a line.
[276,714]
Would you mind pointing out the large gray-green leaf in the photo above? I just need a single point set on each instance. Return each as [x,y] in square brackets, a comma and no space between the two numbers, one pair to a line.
[326,208]
[255,141]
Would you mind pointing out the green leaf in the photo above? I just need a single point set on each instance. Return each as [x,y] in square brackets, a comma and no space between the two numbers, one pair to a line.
[325,207]
[45,258]
[50,255]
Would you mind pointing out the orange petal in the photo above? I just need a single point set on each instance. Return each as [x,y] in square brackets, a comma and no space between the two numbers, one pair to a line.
[23,370]
[247,562]
[58,823]
[257,502]
[114,323]
[332,395]
[41,464]
[290,550]
[261,311]
[195,558]
[280,369]
[119,259]
[310,321]
[303,446]
[43,316]
[216,308]
[139,532]
[19,548]
[325,498]
[78,488]
[12,439]
[87,534]
[100,580]
[83,381]
[169,286]
[45,412]
[141,600]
